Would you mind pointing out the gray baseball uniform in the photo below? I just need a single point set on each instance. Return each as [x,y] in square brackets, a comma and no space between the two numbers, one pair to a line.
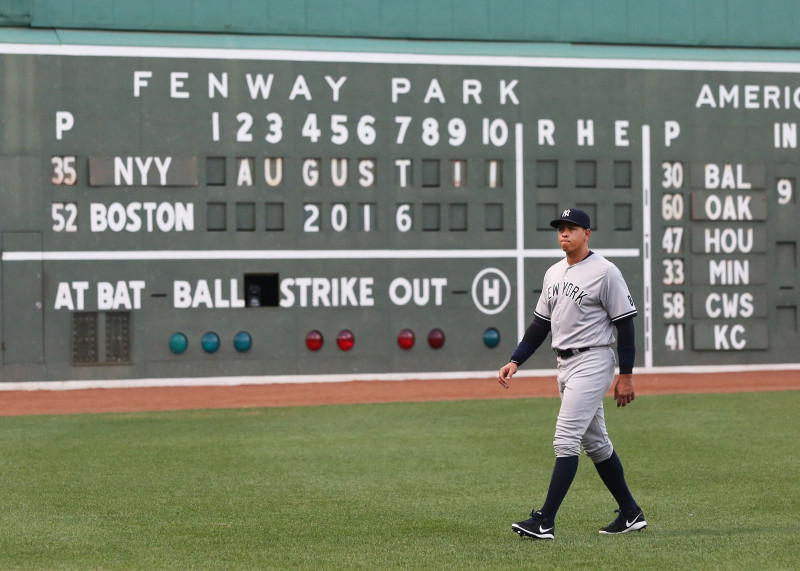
[581,302]
[584,297]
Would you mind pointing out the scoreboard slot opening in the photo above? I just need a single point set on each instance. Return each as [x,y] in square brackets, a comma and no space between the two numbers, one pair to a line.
[261,290]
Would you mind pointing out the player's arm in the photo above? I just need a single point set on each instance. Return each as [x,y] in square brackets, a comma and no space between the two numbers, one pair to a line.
[534,336]
[626,351]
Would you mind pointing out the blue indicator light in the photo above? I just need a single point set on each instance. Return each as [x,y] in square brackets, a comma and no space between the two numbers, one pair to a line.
[210,342]
[491,338]
[178,343]
[242,342]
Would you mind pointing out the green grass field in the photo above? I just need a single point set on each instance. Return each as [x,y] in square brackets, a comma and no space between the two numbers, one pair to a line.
[432,485]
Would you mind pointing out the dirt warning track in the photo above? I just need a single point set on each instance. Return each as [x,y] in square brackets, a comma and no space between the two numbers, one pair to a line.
[15,403]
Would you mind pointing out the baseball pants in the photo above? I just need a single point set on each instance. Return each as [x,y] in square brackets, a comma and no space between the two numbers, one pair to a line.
[583,381]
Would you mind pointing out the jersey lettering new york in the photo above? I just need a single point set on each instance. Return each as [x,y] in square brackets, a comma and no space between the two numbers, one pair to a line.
[569,290]
[582,302]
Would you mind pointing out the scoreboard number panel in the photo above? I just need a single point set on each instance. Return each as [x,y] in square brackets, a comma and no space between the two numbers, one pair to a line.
[294,215]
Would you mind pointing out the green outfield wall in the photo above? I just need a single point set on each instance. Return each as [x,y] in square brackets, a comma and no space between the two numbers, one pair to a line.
[319,191]
[728,23]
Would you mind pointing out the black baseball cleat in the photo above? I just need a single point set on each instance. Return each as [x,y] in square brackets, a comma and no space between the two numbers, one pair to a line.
[625,522]
[537,526]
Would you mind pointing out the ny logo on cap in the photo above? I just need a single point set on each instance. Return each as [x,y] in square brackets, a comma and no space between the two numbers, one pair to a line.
[565,213]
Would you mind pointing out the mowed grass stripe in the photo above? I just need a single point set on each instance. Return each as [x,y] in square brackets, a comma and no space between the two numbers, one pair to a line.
[429,485]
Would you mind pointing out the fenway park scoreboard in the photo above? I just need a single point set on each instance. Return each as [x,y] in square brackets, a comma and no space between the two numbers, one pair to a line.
[190,213]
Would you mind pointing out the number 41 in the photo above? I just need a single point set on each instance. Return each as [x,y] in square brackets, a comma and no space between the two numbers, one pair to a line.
[673,340]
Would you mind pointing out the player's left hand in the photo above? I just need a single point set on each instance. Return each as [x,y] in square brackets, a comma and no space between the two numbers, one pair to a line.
[623,390]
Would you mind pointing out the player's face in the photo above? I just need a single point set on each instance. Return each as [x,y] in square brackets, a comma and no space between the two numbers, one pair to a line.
[573,238]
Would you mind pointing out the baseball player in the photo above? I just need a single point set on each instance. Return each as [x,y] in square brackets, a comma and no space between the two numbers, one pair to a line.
[584,296]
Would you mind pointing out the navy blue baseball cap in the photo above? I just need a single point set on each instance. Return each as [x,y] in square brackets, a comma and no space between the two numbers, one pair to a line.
[573,216]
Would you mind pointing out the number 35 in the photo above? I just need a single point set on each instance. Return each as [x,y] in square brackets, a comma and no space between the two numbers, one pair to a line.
[64,171]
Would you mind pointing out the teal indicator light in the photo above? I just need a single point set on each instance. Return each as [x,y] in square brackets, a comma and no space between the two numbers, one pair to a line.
[210,342]
[242,342]
[178,343]
[491,338]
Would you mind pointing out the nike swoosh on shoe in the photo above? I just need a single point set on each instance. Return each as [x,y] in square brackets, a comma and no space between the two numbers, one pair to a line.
[630,523]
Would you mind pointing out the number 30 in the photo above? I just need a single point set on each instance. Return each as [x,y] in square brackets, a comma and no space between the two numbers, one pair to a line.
[673,175]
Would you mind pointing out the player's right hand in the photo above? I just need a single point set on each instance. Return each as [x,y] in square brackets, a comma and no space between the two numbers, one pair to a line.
[506,372]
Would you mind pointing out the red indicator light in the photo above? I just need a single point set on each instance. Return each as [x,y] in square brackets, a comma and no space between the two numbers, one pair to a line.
[314,340]
[436,338]
[405,339]
[345,340]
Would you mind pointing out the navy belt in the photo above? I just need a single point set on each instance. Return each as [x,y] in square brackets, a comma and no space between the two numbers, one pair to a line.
[567,353]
